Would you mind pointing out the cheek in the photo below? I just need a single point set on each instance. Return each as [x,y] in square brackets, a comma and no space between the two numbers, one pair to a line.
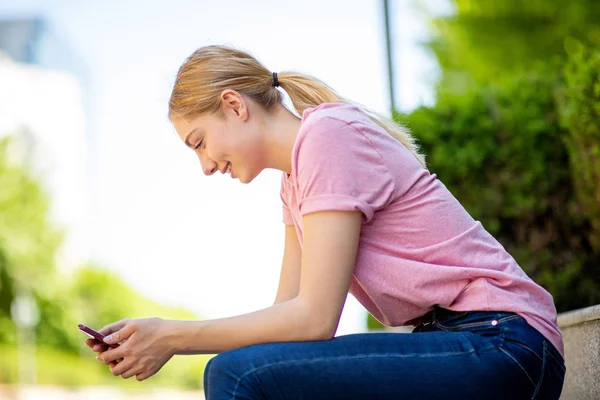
[217,149]
[252,153]
[241,148]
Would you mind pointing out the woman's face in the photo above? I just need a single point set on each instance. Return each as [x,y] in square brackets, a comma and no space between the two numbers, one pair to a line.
[230,142]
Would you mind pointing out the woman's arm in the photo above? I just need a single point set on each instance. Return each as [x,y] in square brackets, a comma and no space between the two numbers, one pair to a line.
[328,260]
[289,279]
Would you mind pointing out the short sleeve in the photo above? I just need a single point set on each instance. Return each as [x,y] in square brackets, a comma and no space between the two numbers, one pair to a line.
[287,214]
[339,168]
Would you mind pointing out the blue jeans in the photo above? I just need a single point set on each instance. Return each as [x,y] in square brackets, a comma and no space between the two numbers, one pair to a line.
[474,355]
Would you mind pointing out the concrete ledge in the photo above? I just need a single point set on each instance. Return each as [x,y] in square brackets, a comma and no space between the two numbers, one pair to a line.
[578,317]
[581,336]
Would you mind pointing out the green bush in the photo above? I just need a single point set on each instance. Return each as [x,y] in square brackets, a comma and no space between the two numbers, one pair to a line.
[580,111]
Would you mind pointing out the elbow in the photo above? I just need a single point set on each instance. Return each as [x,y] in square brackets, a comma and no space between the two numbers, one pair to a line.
[317,325]
[322,328]
[327,335]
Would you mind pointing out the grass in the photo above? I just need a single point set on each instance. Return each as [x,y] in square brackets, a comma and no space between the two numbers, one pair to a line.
[63,369]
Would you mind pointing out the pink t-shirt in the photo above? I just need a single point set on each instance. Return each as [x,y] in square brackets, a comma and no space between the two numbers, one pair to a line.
[418,246]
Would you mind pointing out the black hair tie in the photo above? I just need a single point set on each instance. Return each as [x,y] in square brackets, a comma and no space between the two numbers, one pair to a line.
[275,80]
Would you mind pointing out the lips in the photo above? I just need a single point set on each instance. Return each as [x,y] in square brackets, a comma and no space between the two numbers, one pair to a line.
[224,170]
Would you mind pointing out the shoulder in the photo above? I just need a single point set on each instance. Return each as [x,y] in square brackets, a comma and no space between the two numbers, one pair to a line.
[327,126]
[334,139]
[330,114]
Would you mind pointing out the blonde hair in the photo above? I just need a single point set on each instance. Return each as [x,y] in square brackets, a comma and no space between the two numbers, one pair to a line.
[212,69]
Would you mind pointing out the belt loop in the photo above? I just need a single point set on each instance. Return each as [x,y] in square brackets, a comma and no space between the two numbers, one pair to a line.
[433,317]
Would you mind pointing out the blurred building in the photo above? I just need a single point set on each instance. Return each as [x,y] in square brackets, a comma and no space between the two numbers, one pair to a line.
[42,106]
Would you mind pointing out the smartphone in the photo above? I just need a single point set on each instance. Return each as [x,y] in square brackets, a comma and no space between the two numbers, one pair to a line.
[94,334]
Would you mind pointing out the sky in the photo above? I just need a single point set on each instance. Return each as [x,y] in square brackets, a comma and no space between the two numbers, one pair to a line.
[210,244]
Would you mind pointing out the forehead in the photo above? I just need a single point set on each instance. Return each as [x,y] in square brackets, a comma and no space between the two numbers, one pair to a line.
[201,122]
[184,126]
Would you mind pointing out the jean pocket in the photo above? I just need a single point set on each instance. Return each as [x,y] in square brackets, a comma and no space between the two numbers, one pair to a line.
[556,358]
[552,376]
[544,372]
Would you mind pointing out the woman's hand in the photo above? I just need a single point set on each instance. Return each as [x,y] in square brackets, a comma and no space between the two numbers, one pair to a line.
[144,347]
[99,346]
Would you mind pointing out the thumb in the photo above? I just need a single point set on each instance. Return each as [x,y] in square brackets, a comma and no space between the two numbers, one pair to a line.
[108,329]
[120,335]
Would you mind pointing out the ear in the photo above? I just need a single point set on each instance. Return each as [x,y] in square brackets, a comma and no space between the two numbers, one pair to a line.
[234,103]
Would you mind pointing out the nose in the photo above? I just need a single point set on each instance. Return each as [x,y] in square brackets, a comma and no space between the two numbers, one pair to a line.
[210,171]
[209,167]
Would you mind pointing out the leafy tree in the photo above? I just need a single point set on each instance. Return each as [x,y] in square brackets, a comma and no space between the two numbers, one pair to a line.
[28,241]
[489,41]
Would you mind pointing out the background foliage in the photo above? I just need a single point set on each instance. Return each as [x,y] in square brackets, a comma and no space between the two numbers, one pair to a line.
[91,295]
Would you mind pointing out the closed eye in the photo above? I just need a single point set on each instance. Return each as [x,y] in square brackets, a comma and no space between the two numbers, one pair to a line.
[199,144]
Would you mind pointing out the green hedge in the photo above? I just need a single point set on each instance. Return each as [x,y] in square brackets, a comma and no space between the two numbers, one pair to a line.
[579,104]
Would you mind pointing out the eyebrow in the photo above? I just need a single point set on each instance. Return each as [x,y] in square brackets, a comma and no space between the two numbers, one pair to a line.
[187,143]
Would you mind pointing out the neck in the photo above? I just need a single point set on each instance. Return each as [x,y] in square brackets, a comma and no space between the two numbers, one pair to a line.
[281,129]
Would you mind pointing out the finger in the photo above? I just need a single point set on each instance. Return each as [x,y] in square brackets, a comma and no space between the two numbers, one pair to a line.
[100,348]
[96,345]
[122,367]
[113,363]
[111,355]
[121,335]
[144,375]
[108,329]
[131,372]
[92,342]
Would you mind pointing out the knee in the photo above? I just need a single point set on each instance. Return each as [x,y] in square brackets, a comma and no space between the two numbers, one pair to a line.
[219,368]
[226,374]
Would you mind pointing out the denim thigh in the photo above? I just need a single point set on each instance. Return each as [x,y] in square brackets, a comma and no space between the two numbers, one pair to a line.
[476,355]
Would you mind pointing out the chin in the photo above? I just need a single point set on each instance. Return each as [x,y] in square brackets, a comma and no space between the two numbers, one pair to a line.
[245,180]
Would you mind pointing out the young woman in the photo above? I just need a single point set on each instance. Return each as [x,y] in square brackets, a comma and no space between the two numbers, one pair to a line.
[363,215]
